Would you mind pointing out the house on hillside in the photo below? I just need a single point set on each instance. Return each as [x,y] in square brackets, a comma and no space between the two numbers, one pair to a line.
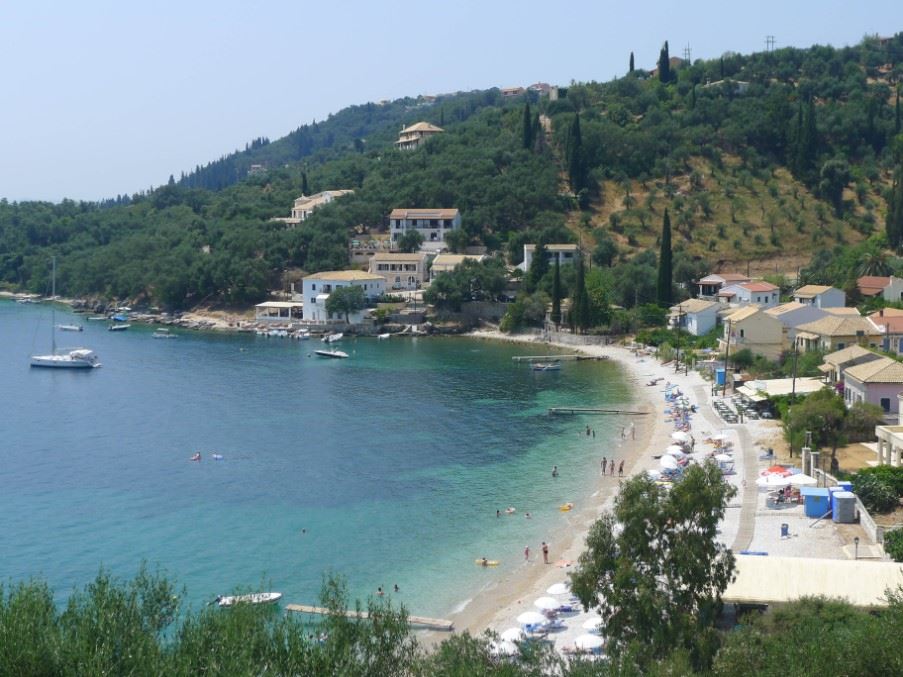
[306,204]
[889,321]
[835,332]
[710,285]
[566,254]
[751,328]
[316,289]
[411,138]
[512,92]
[695,316]
[876,382]
[835,363]
[791,315]
[761,293]
[432,224]
[820,296]
[401,271]
[890,288]
[445,263]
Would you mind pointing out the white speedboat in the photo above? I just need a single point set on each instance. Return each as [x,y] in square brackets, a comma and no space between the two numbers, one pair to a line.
[546,366]
[69,327]
[118,327]
[253,598]
[332,338]
[337,354]
[163,333]
[74,358]
[383,337]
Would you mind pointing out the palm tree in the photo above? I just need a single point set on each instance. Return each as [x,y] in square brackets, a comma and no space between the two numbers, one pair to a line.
[874,262]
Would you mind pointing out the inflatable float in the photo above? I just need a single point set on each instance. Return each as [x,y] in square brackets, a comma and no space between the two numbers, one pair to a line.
[487,563]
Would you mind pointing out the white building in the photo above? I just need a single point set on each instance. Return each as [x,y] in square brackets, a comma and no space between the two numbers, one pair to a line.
[764,294]
[401,271]
[792,315]
[695,316]
[710,285]
[890,288]
[306,204]
[445,263]
[432,224]
[820,296]
[316,289]
[566,254]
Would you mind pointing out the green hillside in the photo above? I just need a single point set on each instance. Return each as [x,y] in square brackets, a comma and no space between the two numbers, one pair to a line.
[763,161]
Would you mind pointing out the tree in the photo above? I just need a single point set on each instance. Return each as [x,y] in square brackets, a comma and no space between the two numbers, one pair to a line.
[835,175]
[630,69]
[539,266]
[893,220]
[457,240]
[664,64]
[654,567]
[663,288]
[345,300]
[606,249]
[824,414]
[528,128]
[576,157]
[410,241]
[580,303]
[305,189]
[897,114]
[556,295]
[874,262]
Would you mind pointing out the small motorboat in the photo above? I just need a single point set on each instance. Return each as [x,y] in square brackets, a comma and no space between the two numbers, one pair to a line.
[118,327]
[336,354]
[163,333]
[547,366]
[332,338]
[302,334]
[120,318]
[97,318]
[69,327]
[383,337]
[253,598]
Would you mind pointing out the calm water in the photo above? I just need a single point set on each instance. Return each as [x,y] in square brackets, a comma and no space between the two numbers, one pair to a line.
[394,461]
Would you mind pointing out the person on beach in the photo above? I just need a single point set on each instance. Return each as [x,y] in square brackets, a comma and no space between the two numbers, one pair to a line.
[545,552]
[526,552]
[554,471]
[621,469]
[604,465]
[611,468]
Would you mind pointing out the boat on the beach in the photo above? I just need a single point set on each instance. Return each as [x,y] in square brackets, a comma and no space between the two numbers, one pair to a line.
[546,366]
[337,354]
[253,598]
[74,358]
[163,333]
[69,327]
[332,338]
[118,327]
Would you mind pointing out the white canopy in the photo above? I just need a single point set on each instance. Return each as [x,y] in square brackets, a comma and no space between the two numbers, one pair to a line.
[772,481]
[724,458]
[654,474]
[588,641]
[675,450]
[531,618]
[592,623]
[546,603]
[668,462]
[513,635]
[503,648]
[558,589]
[800,480]
[680,436]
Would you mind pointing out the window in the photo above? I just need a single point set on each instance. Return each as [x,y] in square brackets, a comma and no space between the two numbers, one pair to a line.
[885,404]
[742,333]
[314,286]
[841,346]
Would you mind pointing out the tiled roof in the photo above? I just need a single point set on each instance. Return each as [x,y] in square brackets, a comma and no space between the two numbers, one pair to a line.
[839,325]
[344,276]
[725,277]
[388,256]
[455,259]
[872,285]
[847,354]
[758,286]
[788,307]
[421,127]
[883,370]
[693,306]
[843,310]
[742,314]
[423,213]
[810,290]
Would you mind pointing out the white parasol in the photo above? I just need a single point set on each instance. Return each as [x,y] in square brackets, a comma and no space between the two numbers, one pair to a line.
[513,635]
[772,481]
[592,623]
[800,480]
[503,648]
[724,458]
[654,474]
[589,642]
[547,603]
[680,436]
[558,589]
[532,618]
[668,462]
[675,450]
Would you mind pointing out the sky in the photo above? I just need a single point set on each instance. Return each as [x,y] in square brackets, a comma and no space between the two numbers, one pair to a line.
[109,97]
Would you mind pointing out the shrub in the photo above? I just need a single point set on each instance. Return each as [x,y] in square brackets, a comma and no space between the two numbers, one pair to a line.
[876,495]
[892,476]
[893,544]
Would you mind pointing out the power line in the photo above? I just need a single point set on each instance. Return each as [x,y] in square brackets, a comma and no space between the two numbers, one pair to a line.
[687,53]
[769,43]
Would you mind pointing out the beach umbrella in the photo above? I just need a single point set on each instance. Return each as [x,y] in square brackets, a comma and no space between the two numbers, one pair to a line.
[592,623]
[532,618]
[558,589]
[503,649]
[802,480]
[771,481]
[654,474]
[589,642]
[668,462]
[723,458]
[680,436]
[547,603]
[513,635]
[674,450]
[776,470]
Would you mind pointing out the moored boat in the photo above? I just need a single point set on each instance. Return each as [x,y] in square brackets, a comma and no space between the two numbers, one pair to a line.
[383,337]
[118,327]
[546,366]
[163,333]
[253,598]
[69,327]
[332,338]
[338,354]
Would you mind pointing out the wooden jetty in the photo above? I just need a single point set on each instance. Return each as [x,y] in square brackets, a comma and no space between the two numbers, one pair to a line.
[556,358]
[418,621]
[591,410]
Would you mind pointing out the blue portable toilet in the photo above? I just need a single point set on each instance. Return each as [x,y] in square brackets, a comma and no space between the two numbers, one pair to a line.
[719,376]
[831,500]
[846,486]
[816,502]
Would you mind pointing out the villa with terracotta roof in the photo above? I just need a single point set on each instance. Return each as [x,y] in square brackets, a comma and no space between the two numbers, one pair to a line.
[445,263]
[890,288]
[761,293]
[401,271]
[820,296]
[432,224]
[306,204]
[751,328]
[411,138]
[876,382]
[889,321]
[316,289]
[835,332]
[710,285]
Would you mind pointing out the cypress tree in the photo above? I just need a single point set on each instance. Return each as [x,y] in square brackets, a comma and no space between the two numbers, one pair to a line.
[576,163]
[556,295]
[664,64]
[631,63]
[693,98]
[580,309]
[721,68]
[305,189]
[897,119]
[893,221]
[442,117]
[663,288]
[539,266]
[528,128]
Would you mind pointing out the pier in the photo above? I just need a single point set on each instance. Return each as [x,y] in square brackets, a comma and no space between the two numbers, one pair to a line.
[557,358]
[418,621]
[573,411]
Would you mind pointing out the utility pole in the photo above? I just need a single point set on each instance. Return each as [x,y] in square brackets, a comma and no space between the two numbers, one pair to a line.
[677,358]
[793,389]
[769,43]
[727,354]
[687,53]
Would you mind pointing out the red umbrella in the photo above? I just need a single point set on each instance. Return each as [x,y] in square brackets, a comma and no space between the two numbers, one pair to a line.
[776,470]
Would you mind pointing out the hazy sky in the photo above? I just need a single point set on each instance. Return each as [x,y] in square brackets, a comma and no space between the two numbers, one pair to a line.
[107,97]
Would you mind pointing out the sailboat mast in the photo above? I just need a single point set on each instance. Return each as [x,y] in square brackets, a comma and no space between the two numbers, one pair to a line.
[53,309]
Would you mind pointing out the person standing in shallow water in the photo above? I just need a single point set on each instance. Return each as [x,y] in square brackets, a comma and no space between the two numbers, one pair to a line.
[545,552]
[621,469]
[554,471]
[604,465]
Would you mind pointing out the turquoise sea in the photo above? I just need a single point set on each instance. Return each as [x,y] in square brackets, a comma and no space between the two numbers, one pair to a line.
[393,461]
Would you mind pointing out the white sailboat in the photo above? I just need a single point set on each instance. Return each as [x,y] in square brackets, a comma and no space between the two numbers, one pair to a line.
[76,358]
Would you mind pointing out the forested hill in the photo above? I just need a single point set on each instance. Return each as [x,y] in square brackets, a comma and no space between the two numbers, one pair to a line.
[762,160]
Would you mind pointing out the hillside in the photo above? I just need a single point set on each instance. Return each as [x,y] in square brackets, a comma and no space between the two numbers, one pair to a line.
[763,162]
